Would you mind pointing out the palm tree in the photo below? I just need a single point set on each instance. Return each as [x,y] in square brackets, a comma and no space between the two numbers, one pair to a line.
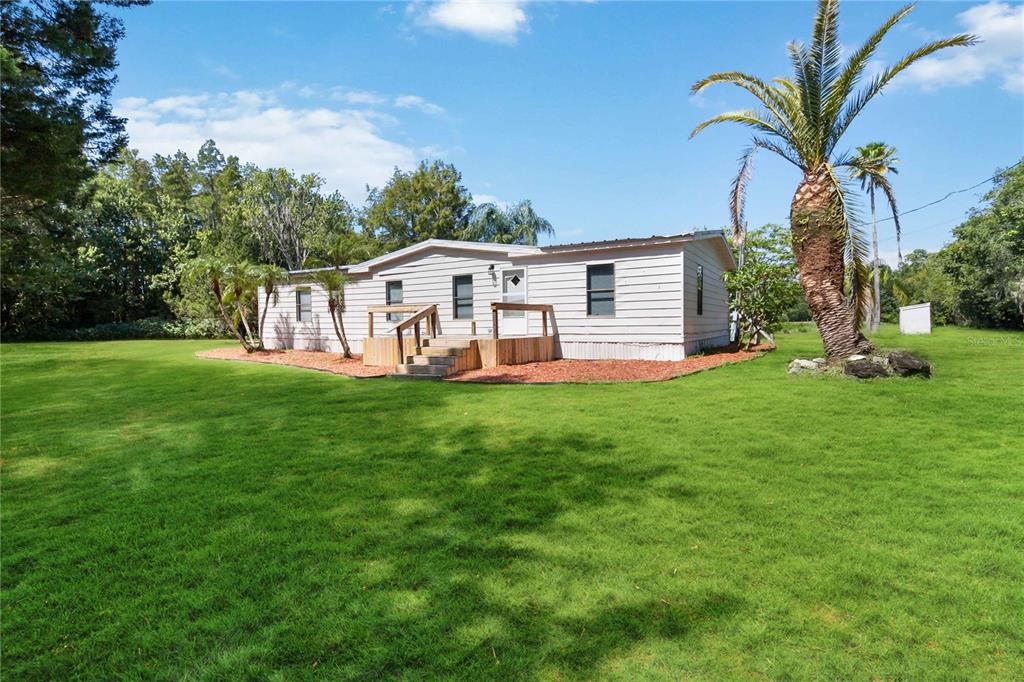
[212,273]
[803,120]
[333,283]
[517,224]
[241,279]
[270,277]
[870,166]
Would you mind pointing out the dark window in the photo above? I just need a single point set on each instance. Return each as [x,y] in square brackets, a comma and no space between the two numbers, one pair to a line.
[303,305]
[462,297]
[394,297]
[700,289]
[601,290]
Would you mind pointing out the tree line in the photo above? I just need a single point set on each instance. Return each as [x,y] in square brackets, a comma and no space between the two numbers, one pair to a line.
[130,232]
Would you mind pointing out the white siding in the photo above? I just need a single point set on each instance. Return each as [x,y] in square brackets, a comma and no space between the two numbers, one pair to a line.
[649,320]
[710,329]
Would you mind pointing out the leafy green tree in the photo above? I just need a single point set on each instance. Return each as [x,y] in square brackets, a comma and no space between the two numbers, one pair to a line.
[59,60]
[224,284]
[429,202]
[290,219]
[765,286]
[985,262]
[922,278]
[516,224]
[333,282]
[803,120]
[870,166]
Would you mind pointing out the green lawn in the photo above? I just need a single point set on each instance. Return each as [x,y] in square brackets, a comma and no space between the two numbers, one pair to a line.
[172,518]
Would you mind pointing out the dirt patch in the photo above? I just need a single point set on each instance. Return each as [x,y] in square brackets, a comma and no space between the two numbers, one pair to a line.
[324,362]
[602,371]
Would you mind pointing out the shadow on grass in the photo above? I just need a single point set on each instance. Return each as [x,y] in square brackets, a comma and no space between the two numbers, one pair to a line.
[206,520]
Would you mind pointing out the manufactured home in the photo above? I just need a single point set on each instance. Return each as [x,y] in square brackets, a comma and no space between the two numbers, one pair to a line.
[655,298]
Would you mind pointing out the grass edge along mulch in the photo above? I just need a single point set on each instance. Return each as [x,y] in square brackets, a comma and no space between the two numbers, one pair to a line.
[564,371]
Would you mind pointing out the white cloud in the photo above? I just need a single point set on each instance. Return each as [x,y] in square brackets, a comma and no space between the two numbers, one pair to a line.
[358,96]
[417,102]
[347,147]
[1001,52]
[497,20]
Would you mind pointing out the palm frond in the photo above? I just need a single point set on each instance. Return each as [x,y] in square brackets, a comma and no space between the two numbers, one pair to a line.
[855,67]
[823,61]
[857,254]
[791,155]
[738,194]
[854,106]
[745,117]
[882,183]
[775,100]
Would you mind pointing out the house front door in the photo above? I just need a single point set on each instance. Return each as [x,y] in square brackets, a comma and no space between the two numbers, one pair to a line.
[513,290]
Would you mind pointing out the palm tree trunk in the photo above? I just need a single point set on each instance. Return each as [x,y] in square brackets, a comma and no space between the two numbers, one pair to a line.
[339,328]
[876,300]
[228,321]
[263,319]
[815,217]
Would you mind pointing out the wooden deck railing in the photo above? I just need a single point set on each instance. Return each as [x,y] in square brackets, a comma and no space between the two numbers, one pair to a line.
[388,310]
[544,309]
[428,313]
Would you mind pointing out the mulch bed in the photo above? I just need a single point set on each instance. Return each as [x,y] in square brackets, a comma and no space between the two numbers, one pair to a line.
[556,371]
[602,371]
[324,362]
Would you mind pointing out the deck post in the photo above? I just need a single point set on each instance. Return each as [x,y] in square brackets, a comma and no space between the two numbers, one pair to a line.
[544,321]
[416,331]
[401,346]
[369,325]
[472,327]
[494,322]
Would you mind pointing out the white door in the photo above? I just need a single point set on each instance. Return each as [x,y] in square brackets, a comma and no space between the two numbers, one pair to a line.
[513,290]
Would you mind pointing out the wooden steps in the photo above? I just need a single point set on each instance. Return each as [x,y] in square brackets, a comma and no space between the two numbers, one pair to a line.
[440,357]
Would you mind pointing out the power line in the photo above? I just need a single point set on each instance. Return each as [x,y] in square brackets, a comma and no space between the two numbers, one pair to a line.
[948,195]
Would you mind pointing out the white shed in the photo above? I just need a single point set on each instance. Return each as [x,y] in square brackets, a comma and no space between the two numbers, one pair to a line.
[916,319]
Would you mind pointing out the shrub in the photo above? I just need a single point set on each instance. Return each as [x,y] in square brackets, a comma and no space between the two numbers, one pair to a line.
[147,328]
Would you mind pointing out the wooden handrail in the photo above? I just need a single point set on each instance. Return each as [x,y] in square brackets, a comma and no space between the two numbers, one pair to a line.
[428,313]
[544,309]
[396,308]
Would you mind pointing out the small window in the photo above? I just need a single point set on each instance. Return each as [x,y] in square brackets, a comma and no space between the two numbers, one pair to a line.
[601,290]
[462,297]
[700,289]
[394,297]
[303,305]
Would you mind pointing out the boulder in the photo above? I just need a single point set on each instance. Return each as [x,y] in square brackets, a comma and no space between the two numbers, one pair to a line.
[907,365]
[865,369]
[818,361]
[854,358]
[799,366]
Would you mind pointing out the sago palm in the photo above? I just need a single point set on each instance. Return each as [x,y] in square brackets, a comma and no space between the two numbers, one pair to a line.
[870,165]
[803,120]
[333,283]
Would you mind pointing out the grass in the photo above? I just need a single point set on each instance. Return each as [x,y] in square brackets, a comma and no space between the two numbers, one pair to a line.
[172,518]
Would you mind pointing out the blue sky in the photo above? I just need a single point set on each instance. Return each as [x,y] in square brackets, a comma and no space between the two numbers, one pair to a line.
[584,108]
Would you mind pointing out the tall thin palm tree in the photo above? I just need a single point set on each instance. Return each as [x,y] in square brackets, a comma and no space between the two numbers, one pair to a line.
[333,283]
[241,279]
[870,165]
[803,120]
[270,277]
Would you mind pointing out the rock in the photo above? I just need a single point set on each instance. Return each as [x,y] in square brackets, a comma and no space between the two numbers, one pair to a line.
[799,366]
[865,369]
[906,365]
[818,361]
[854,358]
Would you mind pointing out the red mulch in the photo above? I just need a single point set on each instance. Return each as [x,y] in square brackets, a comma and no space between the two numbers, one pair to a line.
[325,362]
[556,371]
[602,371]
